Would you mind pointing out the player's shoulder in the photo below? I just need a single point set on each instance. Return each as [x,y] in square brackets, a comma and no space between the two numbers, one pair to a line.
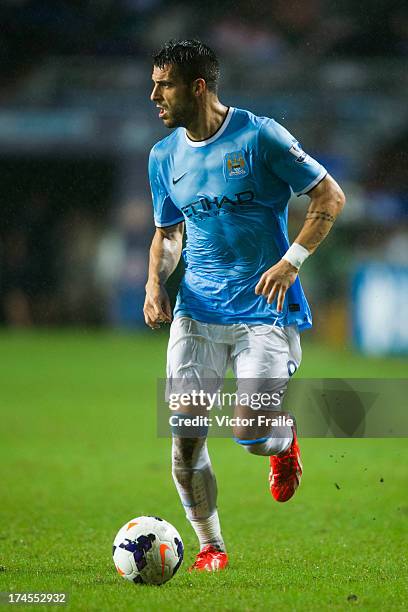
[164,147]
[258,123]
[245,118]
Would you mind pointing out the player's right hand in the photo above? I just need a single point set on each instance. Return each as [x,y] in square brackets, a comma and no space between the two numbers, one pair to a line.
[157,308]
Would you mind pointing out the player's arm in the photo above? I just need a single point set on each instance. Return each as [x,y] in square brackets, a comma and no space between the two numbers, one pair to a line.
[164,256]
[327,201]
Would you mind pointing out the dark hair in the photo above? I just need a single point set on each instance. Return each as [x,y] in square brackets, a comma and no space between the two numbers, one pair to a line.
[193,60]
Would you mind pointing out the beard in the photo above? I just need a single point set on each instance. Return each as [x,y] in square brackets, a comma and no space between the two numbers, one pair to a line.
[181,114]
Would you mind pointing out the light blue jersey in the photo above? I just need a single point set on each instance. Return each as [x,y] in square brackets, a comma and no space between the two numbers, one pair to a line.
[232,192]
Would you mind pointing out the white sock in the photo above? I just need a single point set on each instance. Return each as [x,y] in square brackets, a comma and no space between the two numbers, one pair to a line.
[209,531]
[272,446]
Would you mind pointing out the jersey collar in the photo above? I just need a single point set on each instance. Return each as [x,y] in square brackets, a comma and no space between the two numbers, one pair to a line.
[214,137]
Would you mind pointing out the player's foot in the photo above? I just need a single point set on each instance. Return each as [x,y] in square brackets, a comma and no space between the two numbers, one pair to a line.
[286,472]
[210,559]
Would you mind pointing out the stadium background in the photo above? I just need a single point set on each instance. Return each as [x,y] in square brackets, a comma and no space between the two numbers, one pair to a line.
[76,126]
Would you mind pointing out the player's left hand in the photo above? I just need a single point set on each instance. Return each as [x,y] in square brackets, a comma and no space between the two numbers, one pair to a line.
[276,281]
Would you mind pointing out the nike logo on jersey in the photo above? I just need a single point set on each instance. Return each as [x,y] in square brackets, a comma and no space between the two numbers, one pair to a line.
[176,180]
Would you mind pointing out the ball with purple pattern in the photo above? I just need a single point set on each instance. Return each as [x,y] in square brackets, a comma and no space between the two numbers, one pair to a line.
[147,550]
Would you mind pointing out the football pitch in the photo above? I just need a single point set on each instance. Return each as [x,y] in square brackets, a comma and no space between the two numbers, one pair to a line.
[79,456]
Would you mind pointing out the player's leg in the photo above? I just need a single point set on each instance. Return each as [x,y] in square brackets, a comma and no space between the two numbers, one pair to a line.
[272,355]
[193,363]
[197,487]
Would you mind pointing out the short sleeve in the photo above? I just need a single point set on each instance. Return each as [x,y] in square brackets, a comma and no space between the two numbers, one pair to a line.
[284,156]
[165,211]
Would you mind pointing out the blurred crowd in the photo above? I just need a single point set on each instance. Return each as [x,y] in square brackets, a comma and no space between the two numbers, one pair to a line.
[73,264]
[33,29]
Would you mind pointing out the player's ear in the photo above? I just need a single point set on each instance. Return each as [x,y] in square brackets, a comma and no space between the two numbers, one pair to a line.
[199,86]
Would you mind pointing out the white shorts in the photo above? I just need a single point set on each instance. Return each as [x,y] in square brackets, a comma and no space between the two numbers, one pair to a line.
[204,351]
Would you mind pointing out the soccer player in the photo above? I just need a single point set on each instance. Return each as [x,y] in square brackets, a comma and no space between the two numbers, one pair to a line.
[225,175]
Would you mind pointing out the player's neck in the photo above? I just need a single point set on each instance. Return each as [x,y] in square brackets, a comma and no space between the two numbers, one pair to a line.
[209,119]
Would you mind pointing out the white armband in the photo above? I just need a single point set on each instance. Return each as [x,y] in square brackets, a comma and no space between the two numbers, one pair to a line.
[296,255]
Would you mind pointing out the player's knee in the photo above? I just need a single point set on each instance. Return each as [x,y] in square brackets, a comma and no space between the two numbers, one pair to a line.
[182,427]
[186,451]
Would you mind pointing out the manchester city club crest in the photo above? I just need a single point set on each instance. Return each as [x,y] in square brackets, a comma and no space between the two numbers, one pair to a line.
[235,165]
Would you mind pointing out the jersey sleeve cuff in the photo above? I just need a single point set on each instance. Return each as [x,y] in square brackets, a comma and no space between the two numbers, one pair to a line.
[315,181]
[178,220]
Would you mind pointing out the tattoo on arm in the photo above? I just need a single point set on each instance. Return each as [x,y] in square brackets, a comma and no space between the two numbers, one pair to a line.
[320,214]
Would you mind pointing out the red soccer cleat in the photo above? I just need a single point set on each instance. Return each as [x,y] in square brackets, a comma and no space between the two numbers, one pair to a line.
[210,559]
[286,472]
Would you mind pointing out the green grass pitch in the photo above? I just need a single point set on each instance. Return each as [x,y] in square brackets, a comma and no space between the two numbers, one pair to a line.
[79,456]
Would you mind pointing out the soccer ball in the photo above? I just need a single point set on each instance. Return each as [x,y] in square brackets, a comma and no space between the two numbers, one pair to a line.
[147,550]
